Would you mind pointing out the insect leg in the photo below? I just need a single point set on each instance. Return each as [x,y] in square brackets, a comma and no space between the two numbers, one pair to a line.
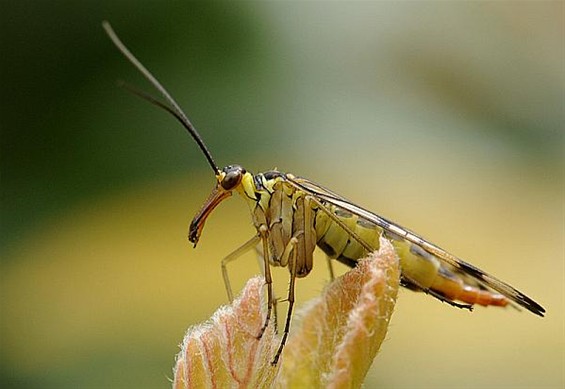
[263,233]
[444,299]
[247,246]
[276,314]
[330,268]
[234,255]
[289,250]
[413,285]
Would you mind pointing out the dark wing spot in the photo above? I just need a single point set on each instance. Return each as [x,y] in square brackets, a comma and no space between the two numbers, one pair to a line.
[393,236]
[366,224]
[417,250]
[513,294]
[342,213]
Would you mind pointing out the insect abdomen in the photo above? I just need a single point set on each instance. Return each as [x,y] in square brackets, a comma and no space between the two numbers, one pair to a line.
[420,269]
[337,243]
[427,271]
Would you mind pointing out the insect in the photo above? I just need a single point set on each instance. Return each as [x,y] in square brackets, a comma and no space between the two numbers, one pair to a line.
[293,215]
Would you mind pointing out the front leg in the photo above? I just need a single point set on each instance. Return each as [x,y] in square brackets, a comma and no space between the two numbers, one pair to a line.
[250,244]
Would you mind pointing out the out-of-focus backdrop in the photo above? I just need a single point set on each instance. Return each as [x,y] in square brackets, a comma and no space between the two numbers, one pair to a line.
[445,117]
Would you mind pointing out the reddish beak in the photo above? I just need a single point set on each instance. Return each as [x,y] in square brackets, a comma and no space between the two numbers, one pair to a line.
[216,197]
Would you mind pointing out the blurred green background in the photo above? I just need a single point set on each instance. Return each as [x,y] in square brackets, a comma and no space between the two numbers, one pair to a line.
[446,117]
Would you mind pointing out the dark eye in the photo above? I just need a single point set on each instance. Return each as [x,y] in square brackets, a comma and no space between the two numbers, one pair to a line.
[231,179]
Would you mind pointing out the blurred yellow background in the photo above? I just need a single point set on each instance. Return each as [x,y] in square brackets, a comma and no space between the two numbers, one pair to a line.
[445,117]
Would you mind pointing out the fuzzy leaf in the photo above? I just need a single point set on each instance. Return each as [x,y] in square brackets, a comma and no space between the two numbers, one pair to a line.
[224,352]
[341,331]
[333,341]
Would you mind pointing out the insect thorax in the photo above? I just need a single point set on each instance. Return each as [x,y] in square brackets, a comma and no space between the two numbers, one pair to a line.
[289,212]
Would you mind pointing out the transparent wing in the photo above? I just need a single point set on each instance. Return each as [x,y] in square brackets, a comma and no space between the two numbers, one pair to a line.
[459,265]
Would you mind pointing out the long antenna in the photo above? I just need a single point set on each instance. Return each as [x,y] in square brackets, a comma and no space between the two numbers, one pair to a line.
[175,109]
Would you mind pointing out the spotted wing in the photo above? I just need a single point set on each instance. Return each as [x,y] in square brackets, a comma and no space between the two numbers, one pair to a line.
[448,259]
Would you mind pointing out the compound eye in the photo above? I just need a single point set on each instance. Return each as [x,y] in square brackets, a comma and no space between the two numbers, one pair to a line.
[231,179]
